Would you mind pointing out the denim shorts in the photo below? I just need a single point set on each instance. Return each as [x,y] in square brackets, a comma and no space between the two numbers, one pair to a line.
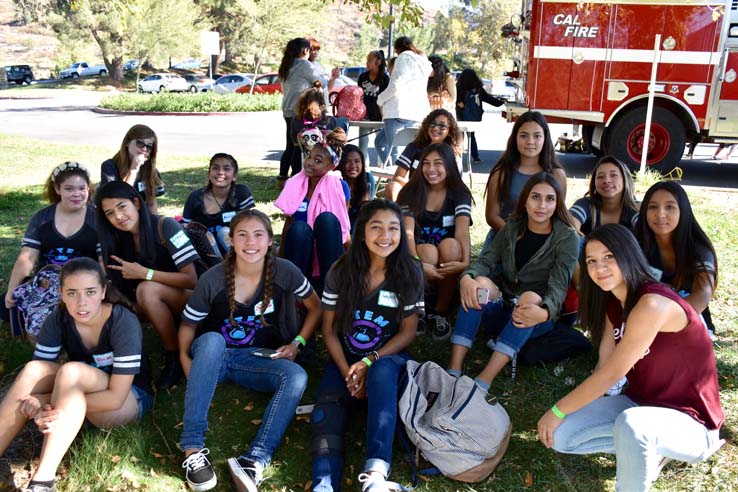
[144,399]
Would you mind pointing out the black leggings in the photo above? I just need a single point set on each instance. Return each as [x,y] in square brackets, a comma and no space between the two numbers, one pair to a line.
[290,152]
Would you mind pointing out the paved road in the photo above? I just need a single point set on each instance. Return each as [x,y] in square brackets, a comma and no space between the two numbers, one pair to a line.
[260,136]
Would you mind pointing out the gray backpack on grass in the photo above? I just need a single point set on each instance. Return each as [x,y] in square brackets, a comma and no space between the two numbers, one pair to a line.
[451,423]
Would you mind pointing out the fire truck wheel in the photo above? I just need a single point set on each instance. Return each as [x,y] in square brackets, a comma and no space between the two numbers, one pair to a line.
[666,144]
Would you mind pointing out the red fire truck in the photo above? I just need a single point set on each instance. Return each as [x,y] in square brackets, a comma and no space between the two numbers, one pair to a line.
[590,63]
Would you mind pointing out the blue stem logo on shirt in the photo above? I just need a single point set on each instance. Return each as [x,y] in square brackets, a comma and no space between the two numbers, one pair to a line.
[434,235]
[243,332]
[366,332]
[60,256]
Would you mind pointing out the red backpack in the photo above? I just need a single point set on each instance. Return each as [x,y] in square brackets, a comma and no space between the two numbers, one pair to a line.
[349,103]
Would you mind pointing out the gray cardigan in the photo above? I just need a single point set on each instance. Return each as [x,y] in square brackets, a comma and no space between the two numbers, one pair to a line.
[548,272]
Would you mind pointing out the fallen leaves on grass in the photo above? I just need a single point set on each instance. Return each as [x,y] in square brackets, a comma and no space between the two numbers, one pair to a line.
[528,479]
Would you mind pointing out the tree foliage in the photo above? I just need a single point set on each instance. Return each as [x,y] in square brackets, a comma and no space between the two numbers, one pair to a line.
[469,37]
[148,29]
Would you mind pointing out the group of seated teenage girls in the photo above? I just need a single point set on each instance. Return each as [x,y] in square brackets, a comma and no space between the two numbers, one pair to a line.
[240,317]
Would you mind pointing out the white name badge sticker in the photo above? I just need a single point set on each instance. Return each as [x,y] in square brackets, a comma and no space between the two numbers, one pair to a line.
[303,207]
[269,309]
[140,186]
[415,164]
[227,216]
[388,299]
[448,220]
[179,239]
[103,360]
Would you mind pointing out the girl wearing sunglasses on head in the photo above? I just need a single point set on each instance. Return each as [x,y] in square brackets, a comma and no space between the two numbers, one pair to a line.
[135,163]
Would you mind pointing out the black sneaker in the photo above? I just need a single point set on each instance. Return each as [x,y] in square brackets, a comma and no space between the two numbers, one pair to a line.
[440,327]
[245,474]
[38,487]
[199,472]
[172,372]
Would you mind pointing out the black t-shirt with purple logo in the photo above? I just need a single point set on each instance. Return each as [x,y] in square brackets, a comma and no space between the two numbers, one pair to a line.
[377,317]
[208,307]
[434,227]
[56,249]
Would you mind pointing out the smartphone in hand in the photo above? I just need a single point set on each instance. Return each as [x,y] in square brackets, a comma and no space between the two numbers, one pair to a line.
[266,353]
[482,295]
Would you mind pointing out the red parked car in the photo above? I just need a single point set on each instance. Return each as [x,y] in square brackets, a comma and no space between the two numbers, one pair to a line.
[264,84]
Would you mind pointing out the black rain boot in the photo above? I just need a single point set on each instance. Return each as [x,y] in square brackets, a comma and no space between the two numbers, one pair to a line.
[172,372]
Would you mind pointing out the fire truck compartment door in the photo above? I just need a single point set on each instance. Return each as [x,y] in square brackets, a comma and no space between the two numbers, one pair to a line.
[727,113]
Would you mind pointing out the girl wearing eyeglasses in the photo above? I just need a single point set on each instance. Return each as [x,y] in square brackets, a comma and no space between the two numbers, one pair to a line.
[439,126]
[135,163]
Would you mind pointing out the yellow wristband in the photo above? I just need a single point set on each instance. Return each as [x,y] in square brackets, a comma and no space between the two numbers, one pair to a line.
[150,274]
[367,361]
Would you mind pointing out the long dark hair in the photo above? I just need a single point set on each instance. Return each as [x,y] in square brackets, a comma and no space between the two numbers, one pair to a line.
[414,195]
[468,81]
[84,264]
[561,213]
[231,199]
[437,81]
[120,243]
[686,240]
[633,265]
[149,177]
[267,274]
[60,174]
[404,43]
[360,188]
[628,198]
[402,273]
[454,135]
[292,52]
[510,159]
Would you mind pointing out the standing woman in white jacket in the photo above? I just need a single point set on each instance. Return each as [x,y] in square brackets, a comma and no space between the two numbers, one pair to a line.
[404,103]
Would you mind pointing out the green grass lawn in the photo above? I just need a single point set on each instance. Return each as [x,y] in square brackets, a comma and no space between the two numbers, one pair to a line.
[145,457]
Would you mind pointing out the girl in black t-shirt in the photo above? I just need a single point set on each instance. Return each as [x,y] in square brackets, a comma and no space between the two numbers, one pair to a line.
[610,198]
[675,244]
[151,260]
[215,204]
[361,182]
[439,126]
[106,380]
[135,163]
[240,309]
[437,206]
[59,232]
[372,300]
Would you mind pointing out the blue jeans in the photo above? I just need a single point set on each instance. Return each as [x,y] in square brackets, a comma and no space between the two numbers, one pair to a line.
[324,238]
[144,399]
[330,420]
[638,435]
[392,127]
[213,363]
[496,314]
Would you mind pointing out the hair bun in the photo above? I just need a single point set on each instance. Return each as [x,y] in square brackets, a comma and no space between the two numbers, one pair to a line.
[336,138]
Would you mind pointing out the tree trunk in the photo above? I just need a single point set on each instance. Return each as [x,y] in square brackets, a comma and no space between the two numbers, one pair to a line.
[115,69]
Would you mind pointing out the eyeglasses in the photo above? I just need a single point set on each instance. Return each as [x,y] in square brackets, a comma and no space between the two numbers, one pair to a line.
[440,126]
[140,144]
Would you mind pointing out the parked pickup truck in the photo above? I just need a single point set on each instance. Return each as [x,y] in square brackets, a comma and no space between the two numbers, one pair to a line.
[82,69]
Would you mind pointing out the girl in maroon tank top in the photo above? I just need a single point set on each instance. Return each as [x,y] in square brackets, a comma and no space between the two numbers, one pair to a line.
[647,332]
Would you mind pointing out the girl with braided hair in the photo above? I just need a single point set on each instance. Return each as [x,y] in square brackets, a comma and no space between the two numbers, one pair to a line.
[241,325]
[315,203]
